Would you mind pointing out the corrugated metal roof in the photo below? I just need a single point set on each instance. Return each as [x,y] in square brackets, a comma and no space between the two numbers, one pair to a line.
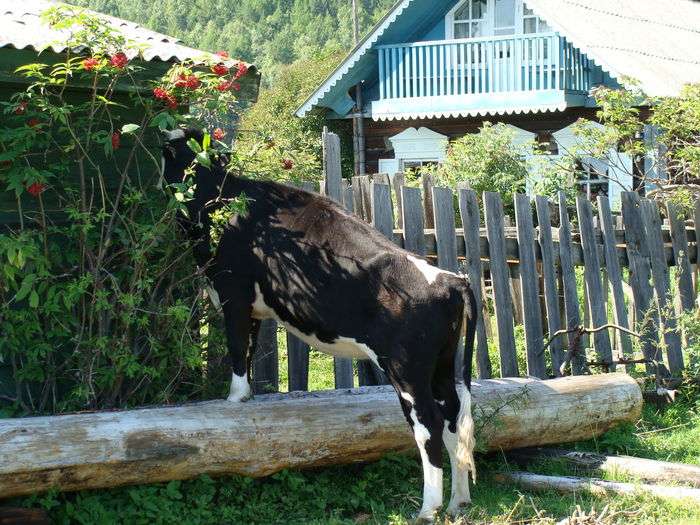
[655,42]
[21,27]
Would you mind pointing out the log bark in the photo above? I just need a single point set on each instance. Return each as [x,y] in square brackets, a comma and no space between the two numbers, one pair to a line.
[640,468]
[297,430]
[566,484]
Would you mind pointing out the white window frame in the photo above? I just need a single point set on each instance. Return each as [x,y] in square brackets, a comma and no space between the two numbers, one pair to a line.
[490,23]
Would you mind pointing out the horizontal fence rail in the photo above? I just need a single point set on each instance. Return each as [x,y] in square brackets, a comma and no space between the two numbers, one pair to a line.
[481,66]
[625,277]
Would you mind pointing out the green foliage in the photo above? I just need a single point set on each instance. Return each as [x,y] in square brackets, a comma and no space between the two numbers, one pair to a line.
[489,161]
[286,147]
[99,299]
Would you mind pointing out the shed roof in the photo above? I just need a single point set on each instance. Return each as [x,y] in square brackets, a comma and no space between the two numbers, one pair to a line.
[21,27]
[654,42]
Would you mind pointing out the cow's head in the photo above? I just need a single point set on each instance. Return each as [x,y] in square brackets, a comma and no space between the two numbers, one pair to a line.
[177,155]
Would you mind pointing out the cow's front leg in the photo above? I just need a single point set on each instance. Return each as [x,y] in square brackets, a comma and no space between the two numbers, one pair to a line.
[239,334]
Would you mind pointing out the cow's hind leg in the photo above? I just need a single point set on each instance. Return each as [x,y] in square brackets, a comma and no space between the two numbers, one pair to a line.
[426,420]
[240,333]
[454,405]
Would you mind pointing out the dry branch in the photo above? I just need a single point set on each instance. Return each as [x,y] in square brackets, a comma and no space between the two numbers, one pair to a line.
[566,484]
[277,431]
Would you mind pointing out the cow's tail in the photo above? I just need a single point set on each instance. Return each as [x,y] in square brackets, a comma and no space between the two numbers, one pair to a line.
[465,421]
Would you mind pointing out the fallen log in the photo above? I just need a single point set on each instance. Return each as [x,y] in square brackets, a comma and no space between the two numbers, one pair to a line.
[567,484]
[639,468]
[297,430]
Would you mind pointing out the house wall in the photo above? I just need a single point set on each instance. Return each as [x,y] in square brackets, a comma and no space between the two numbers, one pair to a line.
[377,133]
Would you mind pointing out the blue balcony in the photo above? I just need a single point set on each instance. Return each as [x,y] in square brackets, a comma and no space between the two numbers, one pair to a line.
[492,75]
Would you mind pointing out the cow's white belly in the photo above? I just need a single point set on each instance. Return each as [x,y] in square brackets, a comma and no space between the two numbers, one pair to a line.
[340,347]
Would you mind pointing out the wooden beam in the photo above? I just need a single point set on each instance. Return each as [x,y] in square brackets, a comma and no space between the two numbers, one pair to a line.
[278,431]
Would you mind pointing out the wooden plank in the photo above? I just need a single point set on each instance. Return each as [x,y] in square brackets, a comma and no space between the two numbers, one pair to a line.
[382,219]
[365,203]
[444,218]
[612,266]
[331,166]
[469,211]
[549,274]
[568,276]
[696,230]
[639,279]
[297,363]
[529,287]
[413,236]
[684,274]
[266,359]
[357,197]
[594,287]
[503,306]
[428,183]
[397,181]
[662,285]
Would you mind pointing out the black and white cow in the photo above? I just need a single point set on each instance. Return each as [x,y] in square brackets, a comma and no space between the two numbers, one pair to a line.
[341,286]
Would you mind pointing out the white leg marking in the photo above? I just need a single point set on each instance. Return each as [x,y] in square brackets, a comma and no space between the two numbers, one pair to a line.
[459,494]
[240,389]
[429,272]
[432,475]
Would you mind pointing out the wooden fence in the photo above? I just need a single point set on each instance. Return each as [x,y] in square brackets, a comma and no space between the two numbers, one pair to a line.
[556,271]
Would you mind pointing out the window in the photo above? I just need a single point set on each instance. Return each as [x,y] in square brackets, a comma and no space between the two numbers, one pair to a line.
[532,23]
[410,164]
[504,17]
[470,19]
[593,177]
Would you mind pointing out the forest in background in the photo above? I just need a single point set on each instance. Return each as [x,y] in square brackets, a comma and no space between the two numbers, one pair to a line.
[268,33]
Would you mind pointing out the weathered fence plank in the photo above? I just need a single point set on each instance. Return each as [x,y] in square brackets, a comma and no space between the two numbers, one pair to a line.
[469,211]
[684,274]
[696,220]
[332,166]
[639,279]
[568,275]
[266,359]
[413,225]
[503,306]
[428,183]
[297,363]
[662,284]
[614,274]
[551,296]
[594,287]
[529,286]
[397,181]
[444,220]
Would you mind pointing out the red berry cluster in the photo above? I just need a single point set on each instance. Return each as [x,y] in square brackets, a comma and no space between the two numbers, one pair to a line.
[218,134]
[119,60]
[187,81]
[35,189]
[90,64]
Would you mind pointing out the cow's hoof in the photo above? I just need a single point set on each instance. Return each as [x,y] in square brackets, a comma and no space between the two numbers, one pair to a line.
[423,519]
[236,398]
[455,509]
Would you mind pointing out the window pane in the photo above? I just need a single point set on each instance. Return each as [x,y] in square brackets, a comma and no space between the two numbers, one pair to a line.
[478,9]
[505,13]
[530,25]
[477,29]
[544,26]
[463,12]
[461,30]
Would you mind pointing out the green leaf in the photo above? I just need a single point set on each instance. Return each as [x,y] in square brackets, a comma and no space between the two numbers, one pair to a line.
[25,287]
[194,146]
[129,128]
[206,142]
[33,299]
[203,159]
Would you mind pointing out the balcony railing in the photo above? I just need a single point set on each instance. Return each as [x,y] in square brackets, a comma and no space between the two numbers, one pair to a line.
[482,66]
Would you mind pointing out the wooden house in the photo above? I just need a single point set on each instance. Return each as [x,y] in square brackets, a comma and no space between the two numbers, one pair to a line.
[433,70]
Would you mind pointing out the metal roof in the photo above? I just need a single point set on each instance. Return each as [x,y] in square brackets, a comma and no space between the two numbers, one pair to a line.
[21,27]
[654,42]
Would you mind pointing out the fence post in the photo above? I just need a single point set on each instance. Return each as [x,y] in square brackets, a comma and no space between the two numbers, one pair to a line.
[529,287]
[568,276]
[640,277]
[594,287]
[266,359]
[413,224]
[493,213]
[679,240]
[551,297]
[469,210]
